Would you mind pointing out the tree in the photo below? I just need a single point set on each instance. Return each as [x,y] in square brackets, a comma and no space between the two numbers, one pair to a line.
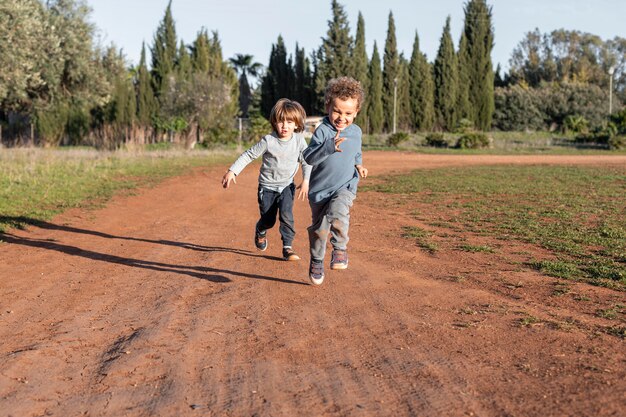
[244,65]
[446,81]
[421,89]
[476,68]
[303,84]
[164,51]
[391,71]
[360,68]
[463,99]
[375,102]
[146,104]
[403,105]
[276,82]
[334,53]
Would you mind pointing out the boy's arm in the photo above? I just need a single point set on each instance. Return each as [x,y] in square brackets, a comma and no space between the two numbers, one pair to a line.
[320,148]
[306,168]
[248,156]
[244,159]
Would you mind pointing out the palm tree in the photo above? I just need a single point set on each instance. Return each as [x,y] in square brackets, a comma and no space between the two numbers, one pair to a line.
[244,65]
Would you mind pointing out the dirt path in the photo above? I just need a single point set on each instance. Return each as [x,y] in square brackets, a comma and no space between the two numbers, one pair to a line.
[158,304]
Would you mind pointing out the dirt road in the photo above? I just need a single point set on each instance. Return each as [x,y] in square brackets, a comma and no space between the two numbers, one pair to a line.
[159,305]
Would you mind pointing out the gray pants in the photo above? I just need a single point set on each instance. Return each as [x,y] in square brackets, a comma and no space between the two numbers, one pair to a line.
[331,217]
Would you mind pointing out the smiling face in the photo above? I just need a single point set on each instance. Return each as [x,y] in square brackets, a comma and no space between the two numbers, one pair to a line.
[342,112]
[285,128]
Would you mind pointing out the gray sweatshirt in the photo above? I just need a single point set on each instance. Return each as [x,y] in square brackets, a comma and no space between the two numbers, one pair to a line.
[280,161]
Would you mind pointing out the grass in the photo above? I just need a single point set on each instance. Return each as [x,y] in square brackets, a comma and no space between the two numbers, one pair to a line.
[576,213]
[421,236]
[36,184]
[504,143]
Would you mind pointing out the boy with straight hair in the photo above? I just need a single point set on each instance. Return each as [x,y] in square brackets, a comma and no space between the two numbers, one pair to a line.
[282,153]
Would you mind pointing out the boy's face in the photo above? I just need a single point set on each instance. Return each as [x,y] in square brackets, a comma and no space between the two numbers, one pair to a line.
[342,112]
[285,128]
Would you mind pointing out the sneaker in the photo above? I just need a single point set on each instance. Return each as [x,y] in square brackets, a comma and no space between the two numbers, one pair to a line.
[260,241]
[316,272]
[290,255]
[339,259]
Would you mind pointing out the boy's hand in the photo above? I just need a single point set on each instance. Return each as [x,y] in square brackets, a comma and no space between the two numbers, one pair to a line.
[338,141]
[227,178]
[361,170]
[303,194]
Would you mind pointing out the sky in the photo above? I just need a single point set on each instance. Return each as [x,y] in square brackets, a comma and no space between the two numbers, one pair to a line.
[252,26]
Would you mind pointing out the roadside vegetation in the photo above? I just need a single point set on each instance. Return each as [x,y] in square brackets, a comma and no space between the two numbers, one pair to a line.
[576,213]
[36,184]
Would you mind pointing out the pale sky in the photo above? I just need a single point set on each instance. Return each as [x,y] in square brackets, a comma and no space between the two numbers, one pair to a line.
[252,26]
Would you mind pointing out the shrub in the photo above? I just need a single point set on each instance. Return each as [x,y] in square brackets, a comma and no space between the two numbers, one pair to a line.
[476,140]
[617,142]
[397,138]
[575,124]
[436,140]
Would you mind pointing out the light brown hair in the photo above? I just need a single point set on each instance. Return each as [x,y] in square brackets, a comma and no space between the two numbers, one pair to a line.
[286,109]
[343,88]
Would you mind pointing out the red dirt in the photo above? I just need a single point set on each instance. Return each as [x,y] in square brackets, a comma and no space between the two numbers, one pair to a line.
[158,304]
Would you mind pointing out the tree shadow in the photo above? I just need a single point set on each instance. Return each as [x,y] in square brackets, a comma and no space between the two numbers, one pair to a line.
[20,222]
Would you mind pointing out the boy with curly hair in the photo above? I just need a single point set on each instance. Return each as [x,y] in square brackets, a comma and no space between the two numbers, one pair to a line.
[335,155]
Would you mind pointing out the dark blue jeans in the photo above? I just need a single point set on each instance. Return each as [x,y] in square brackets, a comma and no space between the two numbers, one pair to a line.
[272,203]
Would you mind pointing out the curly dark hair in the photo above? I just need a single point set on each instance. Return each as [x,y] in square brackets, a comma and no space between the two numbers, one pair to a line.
[344,88]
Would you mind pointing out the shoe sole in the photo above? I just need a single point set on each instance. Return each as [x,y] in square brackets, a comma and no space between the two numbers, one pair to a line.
[315,281]
[338,267]
[292,258]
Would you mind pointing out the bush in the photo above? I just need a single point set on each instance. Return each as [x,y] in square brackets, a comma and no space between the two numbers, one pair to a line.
[397,138]
[476,140]
[575,124]
[436,140]
[617,142]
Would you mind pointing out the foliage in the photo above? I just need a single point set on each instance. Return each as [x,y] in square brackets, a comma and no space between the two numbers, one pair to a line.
[436,140]
[475,65]
[475,140]
[375,110]
[421,89]
[277,82]
[575,124]
[333,56]
[446,81]
[397,138]
[360,68]
[391,75]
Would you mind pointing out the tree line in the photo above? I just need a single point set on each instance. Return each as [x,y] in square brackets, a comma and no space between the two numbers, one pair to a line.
[59,86]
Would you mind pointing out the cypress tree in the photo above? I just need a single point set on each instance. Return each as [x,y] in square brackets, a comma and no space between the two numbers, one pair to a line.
[276,82]
[335,51]
[403,105]
[478,30]
[445,74]
[391,72]
[164,51]
[360,68]
[375,102]
[421,89]
[183,64]
[303,83]
[200,51]
[146,104]
[463,102]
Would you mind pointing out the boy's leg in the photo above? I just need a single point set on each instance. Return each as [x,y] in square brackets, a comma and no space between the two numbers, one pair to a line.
[318,231]
[285,215]
[268,208]
[338,216]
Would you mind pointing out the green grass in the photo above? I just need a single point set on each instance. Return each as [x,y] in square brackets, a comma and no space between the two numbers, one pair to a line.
[577,213]
[421,236]
[36,184]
